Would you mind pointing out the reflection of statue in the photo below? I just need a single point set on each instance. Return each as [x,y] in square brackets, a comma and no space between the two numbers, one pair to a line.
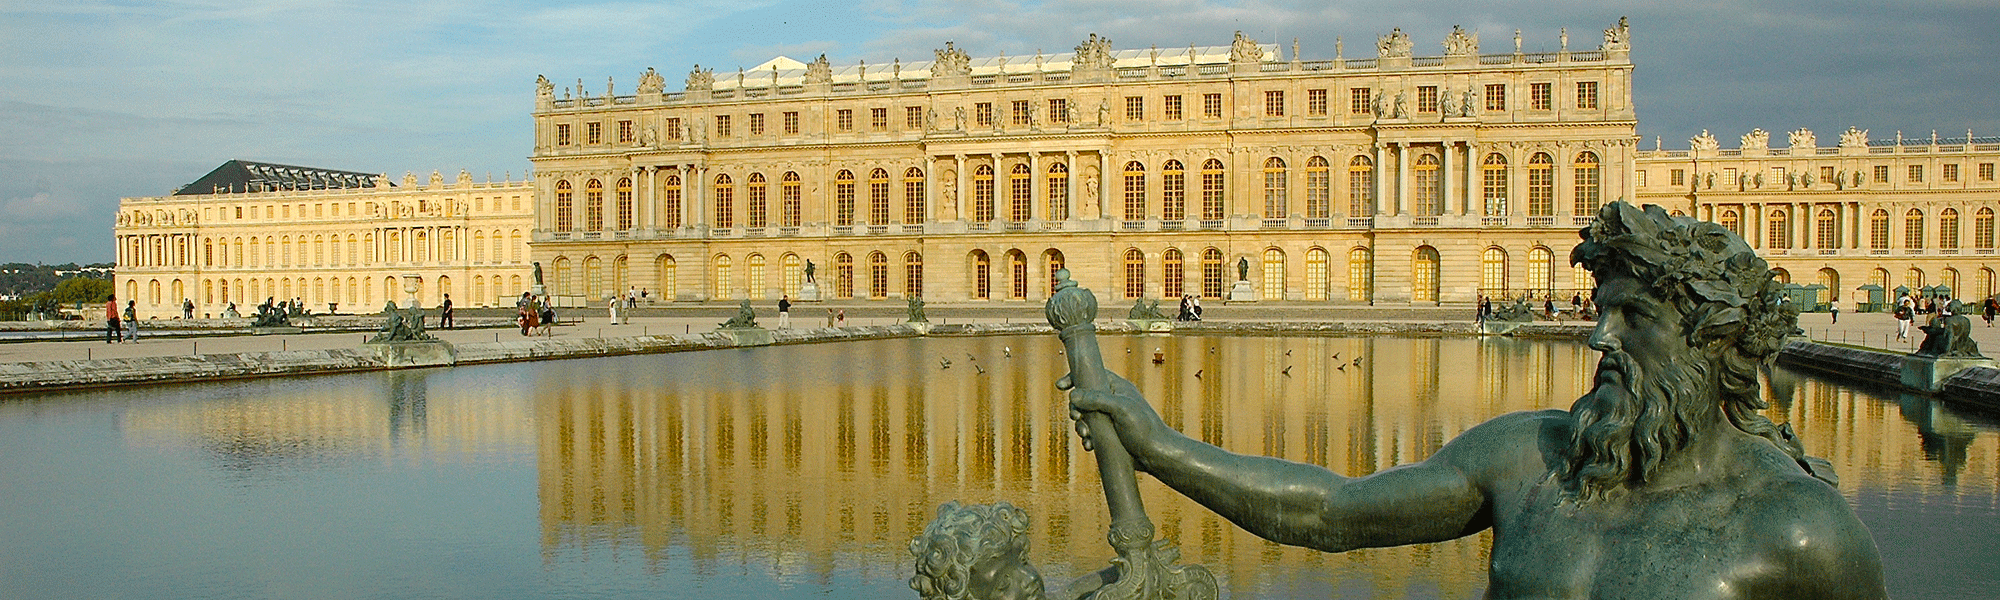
[744,319]
[1243,269]
[1950,336]
[916,310]
[1664,481]
[810,267]
[538,273]
[1145,310]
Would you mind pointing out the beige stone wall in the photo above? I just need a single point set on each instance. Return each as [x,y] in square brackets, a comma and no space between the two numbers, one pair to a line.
[345,247]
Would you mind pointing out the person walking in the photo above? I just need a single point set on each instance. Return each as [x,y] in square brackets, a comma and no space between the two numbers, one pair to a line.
[1992,306]
[615,303]
[112,328]
[1833,308]
[1906,311]
[840,318]
[187,308]
[445,313]
[785,312]
[132,321]
[525,313]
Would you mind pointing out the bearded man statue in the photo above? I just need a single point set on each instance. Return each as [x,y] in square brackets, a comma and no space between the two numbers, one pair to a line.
[1664,481]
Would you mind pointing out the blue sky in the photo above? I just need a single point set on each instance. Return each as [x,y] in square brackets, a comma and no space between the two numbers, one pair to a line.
[100,100]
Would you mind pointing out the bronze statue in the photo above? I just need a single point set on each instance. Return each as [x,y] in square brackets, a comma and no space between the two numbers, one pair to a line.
[745,318]
[269,315]
[1950,336]
[975,552]
[1145,310]
[916,310]
[399,325]
[1663,481]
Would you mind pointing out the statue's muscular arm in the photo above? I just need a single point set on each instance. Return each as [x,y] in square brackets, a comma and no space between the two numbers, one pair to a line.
[1444,497]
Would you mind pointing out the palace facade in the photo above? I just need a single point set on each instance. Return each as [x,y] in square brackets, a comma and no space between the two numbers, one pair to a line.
[1149,173]
[335,240]
[1891,213]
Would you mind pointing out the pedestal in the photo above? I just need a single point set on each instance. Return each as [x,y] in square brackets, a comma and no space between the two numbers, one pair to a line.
[746,336]
[1492,327]
[923,328]
[1242,292]
[275,330]
[432,353]
[809,292]
[1927,373]
[1151,325]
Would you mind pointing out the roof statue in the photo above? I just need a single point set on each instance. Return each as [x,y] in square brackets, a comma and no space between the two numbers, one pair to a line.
[651,82]
[951,62]
[1854,138]
[700,79]
[1245,50]
[1094,53]
[1394,45]
[1618,37]
[544,89]
[1757,139]
[1460,43]
[819,72]
[1801,138]
[1703,143]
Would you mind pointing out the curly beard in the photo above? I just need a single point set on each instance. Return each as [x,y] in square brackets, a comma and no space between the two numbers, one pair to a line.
[1634,419]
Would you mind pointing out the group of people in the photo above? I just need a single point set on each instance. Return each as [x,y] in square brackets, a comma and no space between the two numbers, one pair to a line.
[1190,308]
[1909,307]
[534,315]
[120,327]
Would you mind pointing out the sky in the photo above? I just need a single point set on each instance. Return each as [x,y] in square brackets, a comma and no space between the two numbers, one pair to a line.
[107,99]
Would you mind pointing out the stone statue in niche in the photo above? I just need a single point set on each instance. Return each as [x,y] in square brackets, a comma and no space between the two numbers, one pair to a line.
[1402,106]
[958,118]
[1950,336]
[1465,107]
[1663,481]
[1447,105]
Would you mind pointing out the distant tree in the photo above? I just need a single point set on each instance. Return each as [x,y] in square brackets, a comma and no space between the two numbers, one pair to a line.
[81,289]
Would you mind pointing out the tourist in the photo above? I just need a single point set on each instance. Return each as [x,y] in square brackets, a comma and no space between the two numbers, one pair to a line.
[1992,305]
[1906,311]
[525,313]
[1833,308]
[631,300]
[548,319]
[445,313]
[131,321]
[1194,307]
[615,303]
[829,317]
[112,328]
[187,308]
[1482,309]
[785,311]
[840,318]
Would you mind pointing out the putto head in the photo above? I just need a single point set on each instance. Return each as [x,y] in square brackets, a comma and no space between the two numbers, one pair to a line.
[975,552]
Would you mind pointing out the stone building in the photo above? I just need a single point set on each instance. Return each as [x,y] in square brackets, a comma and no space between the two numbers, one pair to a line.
[336,240]
[1901,212]
[1149,172]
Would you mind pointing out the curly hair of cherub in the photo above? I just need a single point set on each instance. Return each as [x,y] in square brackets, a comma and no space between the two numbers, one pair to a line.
[961,536]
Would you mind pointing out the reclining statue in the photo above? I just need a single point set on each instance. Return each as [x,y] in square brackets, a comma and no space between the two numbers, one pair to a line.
[1950,336]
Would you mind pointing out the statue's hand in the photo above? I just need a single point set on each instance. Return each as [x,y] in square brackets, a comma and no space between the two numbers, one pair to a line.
[1134,419]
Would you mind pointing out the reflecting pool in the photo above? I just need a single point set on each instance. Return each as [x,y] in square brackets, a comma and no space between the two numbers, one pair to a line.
[802,471]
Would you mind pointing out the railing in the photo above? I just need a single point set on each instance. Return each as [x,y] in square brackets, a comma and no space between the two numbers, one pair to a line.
[878,229]
[1321,223]
[1587,56]
[1425,221]
[1274,223]
[913,229]
[1174,225]
[1361,221]
[1538,57]
[1947,251]
[1541,221]
[1878,251]
[1982,251]
[1052,225]
[1017,226]
[1361,63]
[1211,223]
[593,235]
[1496,59]
[788,231]
[843,230]
[1317,65]
[1274,67]
[979,226]
[1583,220]
[559,236]
[1494,221]
[1133,225]
[1829,251]
[753,232]
[721,232]
[1427,61]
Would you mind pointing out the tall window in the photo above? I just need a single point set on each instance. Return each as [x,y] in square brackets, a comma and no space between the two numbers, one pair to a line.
[1360,186]
[843,275]
[670,202]
[1211,190]
[843,198]
[1211,106]
[1493,183]
[1427,98]
[1360,101]
[1058,110]
[1541,271]
[1211,273]
[878,119]
[1493,271]
[1430,186]
[878,196]
[1274,274]
[1058,187]
[913,118]
[725,202]
[1826,230]
[1017,272]
[1982,228]
[1317,278]
[1319,188]
[1424,275]
[1588,194]
[1135,191]
[913,275]
[789,201]
[878,275]
[1173,191]
[1732,221]
[757,124]
[1274,188]
[1878,230]
[1020,193]
[913,195]
[1360,275]
[1913,229]
[790,271]
[625,201]
[791,123]
[1173,273]
[1778,230]
[565,203]
[1541,185]
[753,279]
[756,214]
[1135,273]
[982,193]
[844,118]
[1948,229]
[721,283]
[982,275]
[1170,107]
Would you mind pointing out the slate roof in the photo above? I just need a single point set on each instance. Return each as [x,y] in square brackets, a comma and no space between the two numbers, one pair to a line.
[240,176]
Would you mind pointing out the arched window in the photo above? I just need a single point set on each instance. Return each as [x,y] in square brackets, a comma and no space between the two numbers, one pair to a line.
[982,193]
[1360,275]
[1360,186]
[843,275]
[1274,274]
[1778,229]
[665,268]
[1058,186]
[1493,272]
[792,270]
[1913,278]
[1020,193]
[564,205]
[1493,184]
[724,202]
[843,198]
[790,211]
[1826,230]
[720,284]
[624,204]
[913,275]
[1424,275]
[593,206]
[1317,277]
[1173,191]
[1135,273]
[913,196]
[1913,229]
[1986,283]
[982,275]
[1211,190]
[1017,274]
[1589,195]
[753,279]
[670,203]
[1541,185]
[1881,278]
[1173,274]
[1052,260]
[1731,221]
[1541,269]
[1781,275]
[1948,231]
[878,275]
[1211,273]
[1982,228]
[594,288]
[1135,191]
[1274,188]
[1430,186]
[878,197]
[1319,188]
[560,269]
[756,202]
[1949,278]
[1829,279]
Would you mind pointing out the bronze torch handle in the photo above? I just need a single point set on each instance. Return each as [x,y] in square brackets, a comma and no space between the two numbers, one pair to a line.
[1071,310]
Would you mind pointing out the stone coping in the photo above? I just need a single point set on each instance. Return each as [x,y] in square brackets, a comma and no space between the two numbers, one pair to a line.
[24,377]
[1979,386]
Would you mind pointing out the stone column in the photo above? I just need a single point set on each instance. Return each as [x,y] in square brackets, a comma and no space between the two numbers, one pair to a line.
[930,191]
[692,198]
[1381,191]
[642,198]
[1069,182]
[1035,182]
[1447,202]
[1402,201]
[960,195]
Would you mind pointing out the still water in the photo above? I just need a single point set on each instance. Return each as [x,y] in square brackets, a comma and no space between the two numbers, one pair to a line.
[802,471]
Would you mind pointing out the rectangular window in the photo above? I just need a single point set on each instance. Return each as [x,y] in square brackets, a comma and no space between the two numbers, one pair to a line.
[1677,177]
[1170,107]
[1951,173]
[1274,103]
[982,114]
[756,123]
[1586,94]
[1826,173]
[625,132]
[1211,106]
[1135,108]
[1316,103]
[844,119]
[791,122]
[1019,114]
[913,118]
[1496,97]
[878,119]
[1640,178]
[1360,101]
[1778,175]
[1058,110]
[1541,96]
[593,133]
[722,123]
[1729,176]
[1985,171]
[562,134]
[1916,173]
[1881,173]
[673,128]
[1427,99]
